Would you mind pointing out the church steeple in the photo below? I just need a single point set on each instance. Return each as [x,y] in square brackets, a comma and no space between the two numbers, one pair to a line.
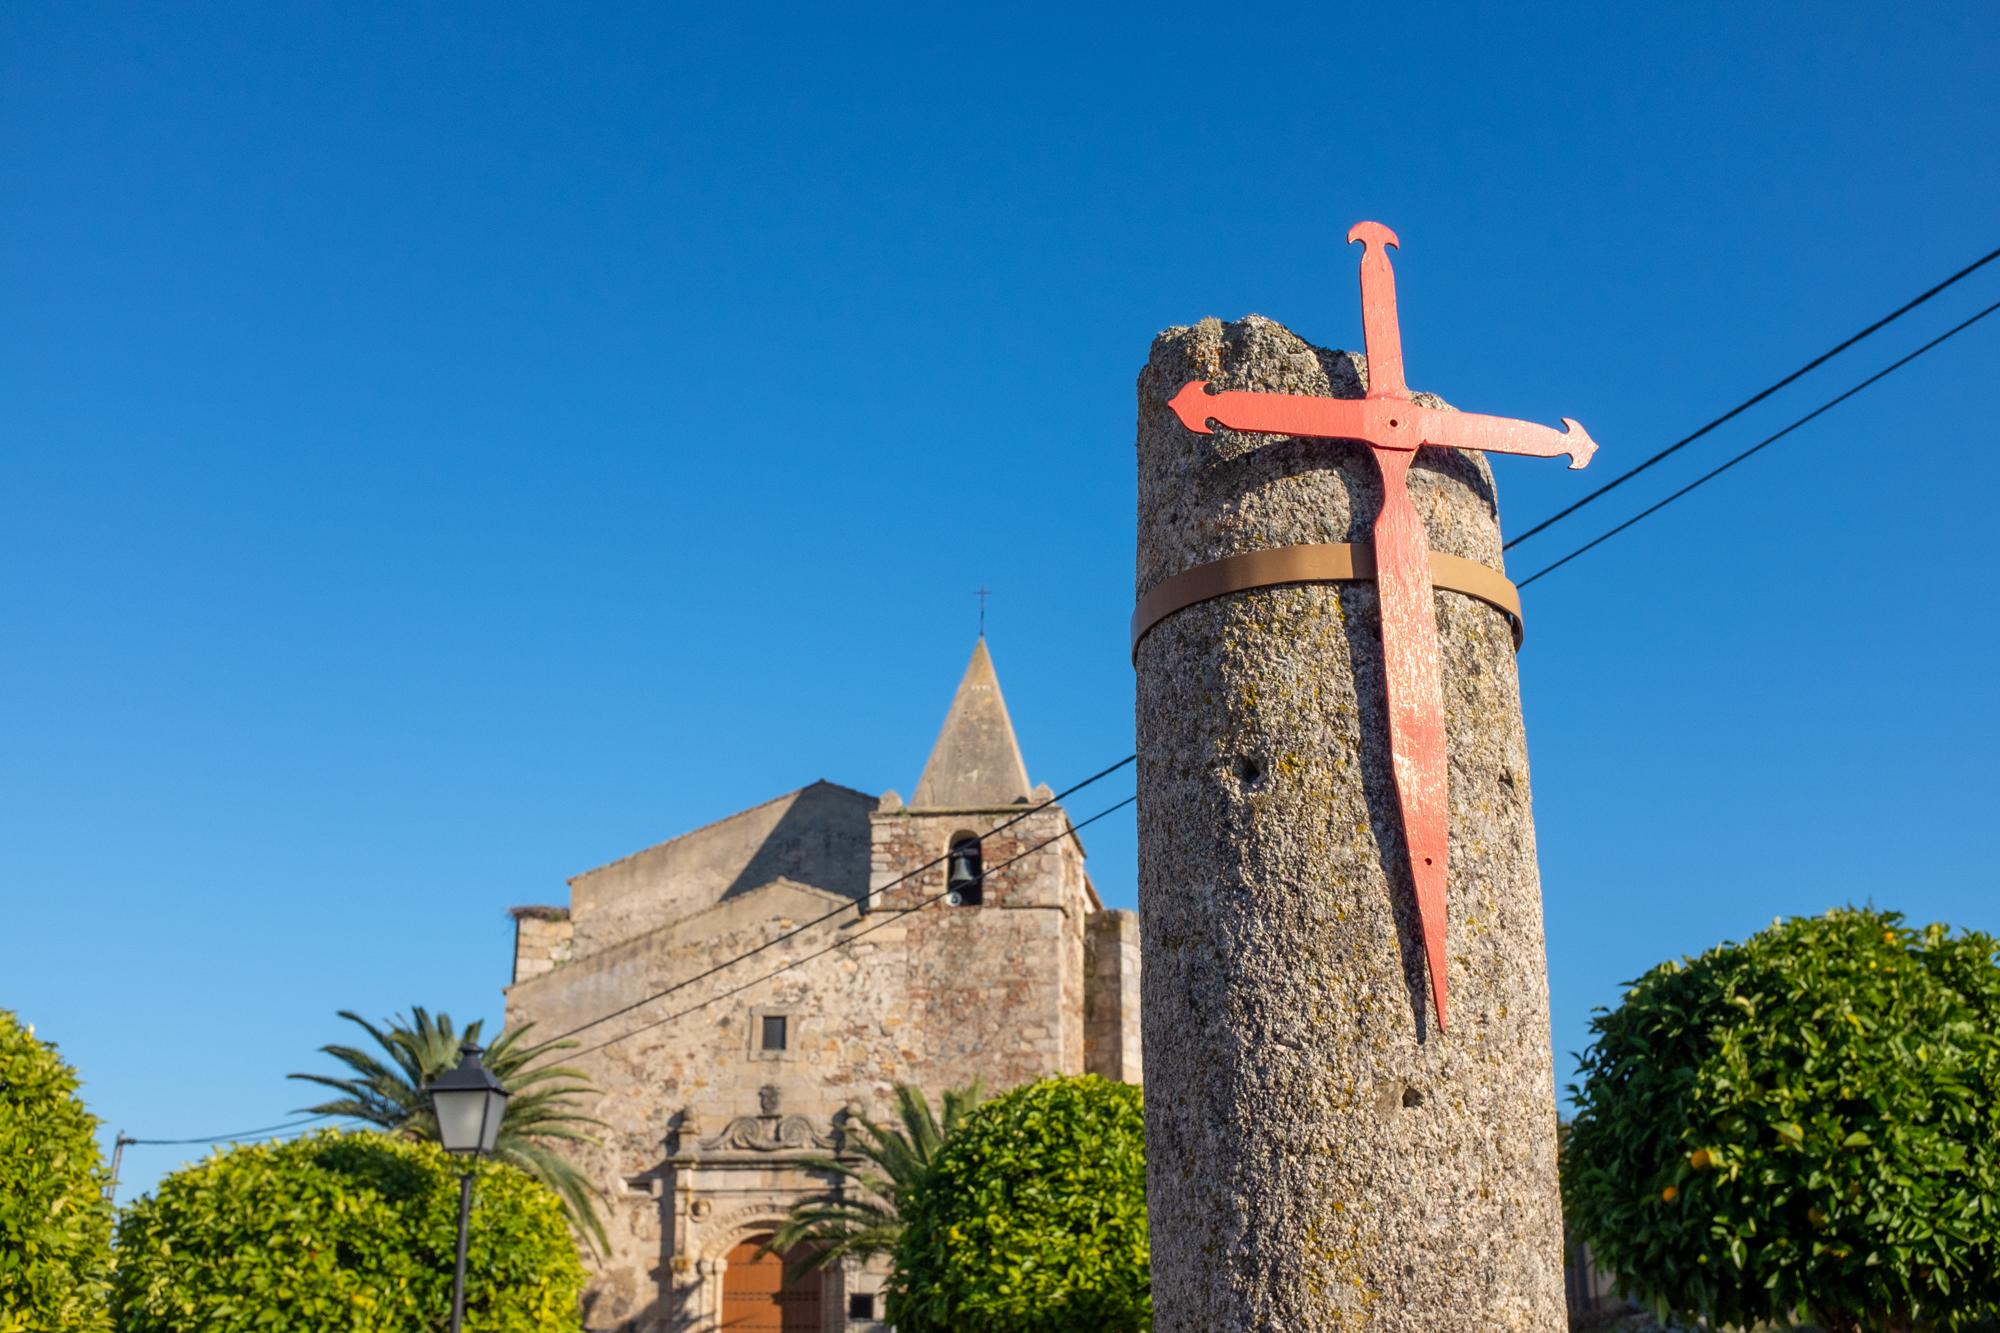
[976,763]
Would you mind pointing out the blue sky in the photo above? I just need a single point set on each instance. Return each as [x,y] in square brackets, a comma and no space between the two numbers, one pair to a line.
[448,447]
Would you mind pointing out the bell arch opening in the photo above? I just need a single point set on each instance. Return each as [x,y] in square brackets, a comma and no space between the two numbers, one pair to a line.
[965,871]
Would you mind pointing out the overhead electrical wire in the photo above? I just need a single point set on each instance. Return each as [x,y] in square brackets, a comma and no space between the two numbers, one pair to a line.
[842,943]
[1545,524]
[844,908]
[1752,401]
[124,1141]
[1715,472]
[241,1135]
[234,1137]
[1548,569]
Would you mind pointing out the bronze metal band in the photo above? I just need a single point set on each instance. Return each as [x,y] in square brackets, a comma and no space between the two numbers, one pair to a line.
[1312,564]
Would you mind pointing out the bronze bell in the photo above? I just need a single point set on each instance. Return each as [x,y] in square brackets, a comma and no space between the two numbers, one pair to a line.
[963,876]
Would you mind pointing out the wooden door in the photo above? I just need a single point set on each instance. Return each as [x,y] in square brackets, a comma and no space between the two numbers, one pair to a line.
[755,1298]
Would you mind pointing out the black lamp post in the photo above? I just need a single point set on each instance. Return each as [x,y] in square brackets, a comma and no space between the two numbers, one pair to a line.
[469,1102]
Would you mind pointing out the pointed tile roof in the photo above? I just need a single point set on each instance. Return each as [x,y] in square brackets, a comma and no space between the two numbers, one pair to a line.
[976,763]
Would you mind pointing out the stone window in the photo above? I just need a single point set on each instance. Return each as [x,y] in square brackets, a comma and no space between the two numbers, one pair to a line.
[861,1305]
[964,873]
[774,1033]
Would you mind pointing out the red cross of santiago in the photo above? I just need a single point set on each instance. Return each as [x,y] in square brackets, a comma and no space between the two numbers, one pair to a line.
[1394,427]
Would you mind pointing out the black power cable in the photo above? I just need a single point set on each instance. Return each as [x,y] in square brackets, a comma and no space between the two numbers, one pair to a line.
[1713,473]
[843,908]
[891,919]
[1548,569]
[124,1141]
[1546,523]
[235,1137]
[1751,402]
[241,1135]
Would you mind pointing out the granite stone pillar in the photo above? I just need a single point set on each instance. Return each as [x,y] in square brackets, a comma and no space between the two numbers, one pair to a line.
[1319,1156]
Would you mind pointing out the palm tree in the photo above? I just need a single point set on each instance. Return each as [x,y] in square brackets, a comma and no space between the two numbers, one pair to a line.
[841,1223]
[388,1090]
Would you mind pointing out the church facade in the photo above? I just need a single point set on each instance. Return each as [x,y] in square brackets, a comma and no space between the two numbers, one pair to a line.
[929,950]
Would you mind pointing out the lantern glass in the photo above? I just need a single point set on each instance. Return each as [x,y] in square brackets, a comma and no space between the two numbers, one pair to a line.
[489,1128]
[468,1119]
[469,1103]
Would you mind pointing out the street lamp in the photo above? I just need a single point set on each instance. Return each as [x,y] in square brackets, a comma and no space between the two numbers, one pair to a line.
[469,1102]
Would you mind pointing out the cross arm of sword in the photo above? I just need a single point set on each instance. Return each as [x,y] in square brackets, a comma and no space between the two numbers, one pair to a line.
[1504,435]
[1385,422]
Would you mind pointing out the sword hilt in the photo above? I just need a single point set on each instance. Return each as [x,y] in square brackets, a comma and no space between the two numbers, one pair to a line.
[1379,326]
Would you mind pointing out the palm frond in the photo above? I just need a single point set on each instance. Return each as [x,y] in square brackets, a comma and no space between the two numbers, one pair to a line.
[578,1195]
[370,1069]
[389,1087]
[856,1216]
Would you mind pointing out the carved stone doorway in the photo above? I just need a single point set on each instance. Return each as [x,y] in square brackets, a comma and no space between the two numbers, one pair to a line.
[756,1299]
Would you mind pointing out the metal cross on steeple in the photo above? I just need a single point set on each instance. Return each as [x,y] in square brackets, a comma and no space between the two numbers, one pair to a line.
[1394,427]
[982,592]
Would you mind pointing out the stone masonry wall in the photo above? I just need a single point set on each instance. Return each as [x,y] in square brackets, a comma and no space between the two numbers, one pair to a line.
[937,998]
[817,835]
[851,1038]
[542,940]
[1111,996]
[1026,941]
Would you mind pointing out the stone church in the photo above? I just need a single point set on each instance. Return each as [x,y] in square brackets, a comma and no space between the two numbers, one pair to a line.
[712,1095]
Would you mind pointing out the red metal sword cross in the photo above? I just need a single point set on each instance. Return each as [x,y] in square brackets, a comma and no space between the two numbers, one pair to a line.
[1394,427]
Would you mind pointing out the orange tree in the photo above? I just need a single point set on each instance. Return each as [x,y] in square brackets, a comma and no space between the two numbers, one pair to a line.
[1804,1122]
[1031,1218]
[342,1233]
[55,1227]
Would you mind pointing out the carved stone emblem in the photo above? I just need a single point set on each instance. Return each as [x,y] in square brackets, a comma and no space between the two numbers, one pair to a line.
[768,1133]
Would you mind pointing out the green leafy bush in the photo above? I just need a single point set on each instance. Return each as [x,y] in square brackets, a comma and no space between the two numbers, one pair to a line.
[55,1227]
[1805,1121]
[387,1088]
[353,1232]
[1032,1218]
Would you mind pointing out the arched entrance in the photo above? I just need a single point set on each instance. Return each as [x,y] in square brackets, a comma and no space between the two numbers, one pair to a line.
[755,1298]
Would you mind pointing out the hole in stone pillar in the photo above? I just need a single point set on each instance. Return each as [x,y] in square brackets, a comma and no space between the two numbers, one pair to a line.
[1411,1097]
[1248,771]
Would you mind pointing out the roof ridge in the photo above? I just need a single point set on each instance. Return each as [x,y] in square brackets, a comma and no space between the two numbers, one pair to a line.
[719,822]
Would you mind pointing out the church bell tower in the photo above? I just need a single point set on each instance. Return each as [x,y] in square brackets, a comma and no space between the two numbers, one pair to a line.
[997,897]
